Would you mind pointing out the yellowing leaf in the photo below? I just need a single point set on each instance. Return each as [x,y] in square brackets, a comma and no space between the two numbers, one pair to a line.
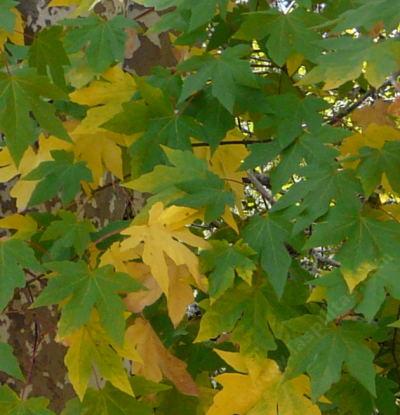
[158,362]
[17,36]
[164,236]
[354,277]
[225,162]
[293,63]
[106,96]
[374,136]
[261,390]
[24,225]
[23,189]
[180,292]
[89,349]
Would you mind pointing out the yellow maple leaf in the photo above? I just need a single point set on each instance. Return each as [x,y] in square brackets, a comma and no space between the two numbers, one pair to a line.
[17,35]
[106,96]
[22,190]
[180,293]
[81,7]
[157,361]
[261,389]
[90,349]
[163,236]
[24,224]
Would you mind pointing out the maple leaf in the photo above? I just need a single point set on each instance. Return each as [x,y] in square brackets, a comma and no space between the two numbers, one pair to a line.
[85,290]
[286,33]
[158,362]
[15,255]
[346,61]
[9,363]
[160,123]
[267,237]
[104,39]
[89,348]
[7,16]
[111,401]
[171,184]
[374,290]
[23,189]
[25,225]
[67,233]
[224,261]
[317,192]
[376,163]
[11,404]
[21,93]
[245,314]
[180,293]
[368,241]
[368,14]
[321,351]
[165,235]
[105,97]
[61,175]
[11,24]
[47,51]
[225,162]
[226,72]
[260,388]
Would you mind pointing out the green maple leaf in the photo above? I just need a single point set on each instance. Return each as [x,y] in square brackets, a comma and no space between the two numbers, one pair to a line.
[376,162]
[367,241]
[267,236]
[338,297]
[155,116]
[47,51]
[322,350]
[369,14]
[286,34]
[313,146]
[60,175]
[287,118]
[111,401]
[15,255]
[225,261]
[246,313]
[374,290]
[203,12]
[225,72]
[66,233]
[346,61]
[324,184]
[20,94]
[10,404]
[85,290]
[9,363]
[104,39]
[187,182]
[7,17]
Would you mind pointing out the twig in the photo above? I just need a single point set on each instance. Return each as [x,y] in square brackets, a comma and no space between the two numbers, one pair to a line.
[346,111]
[324,259]
[264,191]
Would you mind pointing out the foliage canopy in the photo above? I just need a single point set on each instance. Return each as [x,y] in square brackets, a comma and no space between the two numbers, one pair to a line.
[262,277]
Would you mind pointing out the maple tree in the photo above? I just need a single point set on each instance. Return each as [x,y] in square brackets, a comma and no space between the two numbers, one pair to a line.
[262,276]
